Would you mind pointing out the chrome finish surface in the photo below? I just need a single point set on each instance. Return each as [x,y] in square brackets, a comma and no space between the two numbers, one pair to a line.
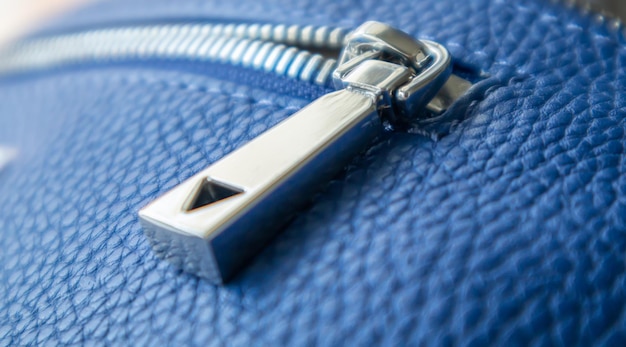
[452,90]
[276,173]
[427,62]
[379,38]
[278,49]
[412,97]
[213,223]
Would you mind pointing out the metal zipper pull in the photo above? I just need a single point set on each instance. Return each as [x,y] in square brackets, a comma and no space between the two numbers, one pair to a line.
[215,221]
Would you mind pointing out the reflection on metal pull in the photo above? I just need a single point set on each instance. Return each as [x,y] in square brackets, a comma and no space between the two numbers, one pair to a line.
[214,222]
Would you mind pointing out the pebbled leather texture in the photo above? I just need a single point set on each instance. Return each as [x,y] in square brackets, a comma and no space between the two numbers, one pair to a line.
[506,226]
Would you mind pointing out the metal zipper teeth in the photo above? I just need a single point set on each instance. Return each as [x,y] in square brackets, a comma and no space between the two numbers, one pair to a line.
[257,46]
[261,47]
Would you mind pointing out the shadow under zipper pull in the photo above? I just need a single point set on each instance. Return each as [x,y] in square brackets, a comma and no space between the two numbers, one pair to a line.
[214,222]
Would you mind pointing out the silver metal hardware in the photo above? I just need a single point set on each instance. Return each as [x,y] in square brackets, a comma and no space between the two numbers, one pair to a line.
[428,59]
[451,91]
[255,46]
[214,222]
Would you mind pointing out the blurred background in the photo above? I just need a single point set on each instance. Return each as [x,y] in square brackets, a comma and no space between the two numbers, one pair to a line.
[18,17]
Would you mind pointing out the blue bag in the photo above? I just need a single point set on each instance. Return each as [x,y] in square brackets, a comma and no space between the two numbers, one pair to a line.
[501,221]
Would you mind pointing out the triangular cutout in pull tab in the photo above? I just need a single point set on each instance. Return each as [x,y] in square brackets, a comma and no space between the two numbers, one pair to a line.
[210,192]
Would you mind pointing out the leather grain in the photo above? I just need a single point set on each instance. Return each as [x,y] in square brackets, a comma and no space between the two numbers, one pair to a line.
[506,225]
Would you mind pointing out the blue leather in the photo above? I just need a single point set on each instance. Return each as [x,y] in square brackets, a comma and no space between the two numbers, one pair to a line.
[502,223]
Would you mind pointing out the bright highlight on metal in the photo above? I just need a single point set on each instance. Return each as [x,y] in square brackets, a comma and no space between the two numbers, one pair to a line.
[213,223]
[277,49]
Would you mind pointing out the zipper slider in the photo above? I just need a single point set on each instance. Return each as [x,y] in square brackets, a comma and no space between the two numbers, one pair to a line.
[215,221]
[375,48]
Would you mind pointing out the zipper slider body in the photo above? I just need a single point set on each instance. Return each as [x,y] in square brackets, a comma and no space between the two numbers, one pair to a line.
[215,221]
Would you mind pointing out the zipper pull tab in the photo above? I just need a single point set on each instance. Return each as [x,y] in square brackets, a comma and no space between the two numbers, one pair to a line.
[215,221]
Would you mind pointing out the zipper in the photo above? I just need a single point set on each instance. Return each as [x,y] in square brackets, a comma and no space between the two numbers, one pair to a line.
[212,224]
[277,49]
